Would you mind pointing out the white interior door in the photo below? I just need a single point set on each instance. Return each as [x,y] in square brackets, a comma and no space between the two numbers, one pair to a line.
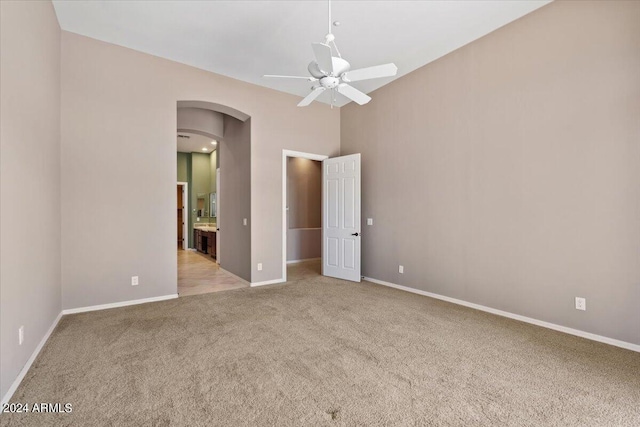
[341,217]
[218,255]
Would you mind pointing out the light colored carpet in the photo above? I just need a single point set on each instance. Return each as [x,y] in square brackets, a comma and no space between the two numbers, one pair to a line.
[324,352]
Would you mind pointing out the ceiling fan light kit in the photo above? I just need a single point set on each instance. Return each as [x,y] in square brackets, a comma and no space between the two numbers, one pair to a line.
[333,73]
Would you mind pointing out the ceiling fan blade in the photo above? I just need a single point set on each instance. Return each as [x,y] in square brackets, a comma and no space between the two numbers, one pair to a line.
[313,95]
[386,70]
[322,52]
[353,94]
[274,76]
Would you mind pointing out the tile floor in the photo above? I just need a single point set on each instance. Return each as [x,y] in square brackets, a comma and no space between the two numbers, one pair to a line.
[200,274]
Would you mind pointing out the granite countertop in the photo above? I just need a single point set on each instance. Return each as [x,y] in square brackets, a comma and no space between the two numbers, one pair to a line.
[208,227]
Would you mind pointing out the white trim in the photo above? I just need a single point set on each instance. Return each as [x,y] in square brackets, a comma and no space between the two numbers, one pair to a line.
[27,366]
[297,261]
[548,325]
[185,214]
[303,155]
[285,154]
[118,304]
[267,282]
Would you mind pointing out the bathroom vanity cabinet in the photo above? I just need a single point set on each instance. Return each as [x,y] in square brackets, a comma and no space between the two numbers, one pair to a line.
[205,241]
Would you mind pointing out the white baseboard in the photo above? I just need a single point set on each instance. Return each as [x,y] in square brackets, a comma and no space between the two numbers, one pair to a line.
[296,261]
[267,282]
[555,327]
[35,353]
[118,304]
[25,369]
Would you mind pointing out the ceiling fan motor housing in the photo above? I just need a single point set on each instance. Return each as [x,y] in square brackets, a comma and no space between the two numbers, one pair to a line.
[329,82]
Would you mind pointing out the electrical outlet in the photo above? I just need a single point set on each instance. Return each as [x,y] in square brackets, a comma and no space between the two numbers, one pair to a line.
[134,281]
[20,335]
[401,269]
[581,303]
[244,221]
[369,221]
[259,266]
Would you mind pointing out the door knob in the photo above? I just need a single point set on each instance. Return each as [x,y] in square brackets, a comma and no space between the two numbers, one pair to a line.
[355,234]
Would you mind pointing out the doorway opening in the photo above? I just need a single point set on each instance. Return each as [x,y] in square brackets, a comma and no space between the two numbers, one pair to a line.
[340,220]
[213,157]
[301,214]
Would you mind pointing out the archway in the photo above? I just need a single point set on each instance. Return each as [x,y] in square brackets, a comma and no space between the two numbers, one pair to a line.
[231,129]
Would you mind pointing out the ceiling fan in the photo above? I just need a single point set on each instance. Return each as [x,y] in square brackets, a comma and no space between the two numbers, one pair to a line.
[334,73]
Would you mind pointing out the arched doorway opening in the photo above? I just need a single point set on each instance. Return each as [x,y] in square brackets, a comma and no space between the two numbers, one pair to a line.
[214,161]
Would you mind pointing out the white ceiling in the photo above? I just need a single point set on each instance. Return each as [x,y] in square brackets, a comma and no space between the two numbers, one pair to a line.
[246,39]
[195,143]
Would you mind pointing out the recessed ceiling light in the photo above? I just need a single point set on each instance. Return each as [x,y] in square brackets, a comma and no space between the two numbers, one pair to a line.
[214,142]
[204,149]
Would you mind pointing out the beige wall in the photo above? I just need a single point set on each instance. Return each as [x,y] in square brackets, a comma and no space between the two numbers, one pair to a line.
[507,173]
[304,202]
[116,100]
[235,189]
[304,243]
[30,291]
[304,193]
[200,121]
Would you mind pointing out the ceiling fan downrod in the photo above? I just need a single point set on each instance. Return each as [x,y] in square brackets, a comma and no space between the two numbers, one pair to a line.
[330,38]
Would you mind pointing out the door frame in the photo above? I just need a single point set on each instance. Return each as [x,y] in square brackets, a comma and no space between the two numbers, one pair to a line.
[185,214]
[300,155]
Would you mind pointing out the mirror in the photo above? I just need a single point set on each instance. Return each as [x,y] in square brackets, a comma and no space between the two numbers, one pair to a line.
[212,210]
[201,205]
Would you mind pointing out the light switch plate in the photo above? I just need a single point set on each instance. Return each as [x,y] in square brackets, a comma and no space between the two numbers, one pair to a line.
[369,221]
